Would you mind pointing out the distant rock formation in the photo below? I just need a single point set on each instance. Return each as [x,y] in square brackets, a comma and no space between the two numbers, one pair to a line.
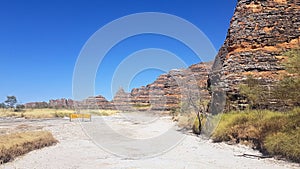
[35,105]
[57,103]
[260,31]
[94,102]
[167,91]
[62,103]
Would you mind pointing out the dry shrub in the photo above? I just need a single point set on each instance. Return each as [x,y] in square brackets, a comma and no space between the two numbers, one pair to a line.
[186,121]
[16,144]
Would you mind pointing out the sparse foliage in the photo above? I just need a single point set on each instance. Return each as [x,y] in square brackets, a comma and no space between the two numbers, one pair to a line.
[286,91]
[11,101]
[255,93]
[292,65]
[195,104]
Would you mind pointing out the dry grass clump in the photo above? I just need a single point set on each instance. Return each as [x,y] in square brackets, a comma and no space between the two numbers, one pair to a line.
[186,121]
[16,144]
[271,132]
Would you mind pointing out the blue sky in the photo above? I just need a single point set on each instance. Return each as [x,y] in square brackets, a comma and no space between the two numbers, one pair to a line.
[41,40]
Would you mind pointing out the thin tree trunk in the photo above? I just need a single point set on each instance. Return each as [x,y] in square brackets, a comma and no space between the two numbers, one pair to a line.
[199,121]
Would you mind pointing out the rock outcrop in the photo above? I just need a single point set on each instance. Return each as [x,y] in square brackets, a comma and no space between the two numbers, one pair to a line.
[260,31]
[55,103]
[94,102]
[167,91]
[35,105]
[122,101]
[61,103]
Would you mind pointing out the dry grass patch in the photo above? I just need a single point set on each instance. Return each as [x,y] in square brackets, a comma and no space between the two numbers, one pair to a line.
[47,113]
[51,113]
[16,144]
[100,112]
[186,121]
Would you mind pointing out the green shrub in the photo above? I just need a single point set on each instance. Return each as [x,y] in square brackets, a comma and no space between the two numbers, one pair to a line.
[271,132]
[285,144]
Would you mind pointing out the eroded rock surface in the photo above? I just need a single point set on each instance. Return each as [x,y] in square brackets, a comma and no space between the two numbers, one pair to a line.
[260,31]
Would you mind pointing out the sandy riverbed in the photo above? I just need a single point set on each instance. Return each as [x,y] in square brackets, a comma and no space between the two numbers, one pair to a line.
[125,143]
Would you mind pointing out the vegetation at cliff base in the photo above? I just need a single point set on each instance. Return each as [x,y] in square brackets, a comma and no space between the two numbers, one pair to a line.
[16,144]
[273,133]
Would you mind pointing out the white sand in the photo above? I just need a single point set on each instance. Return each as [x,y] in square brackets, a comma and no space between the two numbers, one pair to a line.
[76,150]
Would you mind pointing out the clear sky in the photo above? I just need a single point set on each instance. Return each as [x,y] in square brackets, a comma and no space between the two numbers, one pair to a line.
[41,40]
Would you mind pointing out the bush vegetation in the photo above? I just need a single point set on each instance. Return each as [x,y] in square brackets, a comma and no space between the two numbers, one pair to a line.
[13,145]
[274,133]
[286,92]
[271,132]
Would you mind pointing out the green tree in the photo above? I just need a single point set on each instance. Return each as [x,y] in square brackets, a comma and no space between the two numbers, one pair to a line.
[11,101]
[292,65]
[287,90]
[255,93]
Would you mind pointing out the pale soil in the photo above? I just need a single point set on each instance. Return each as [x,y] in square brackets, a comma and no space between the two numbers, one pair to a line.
[76,150]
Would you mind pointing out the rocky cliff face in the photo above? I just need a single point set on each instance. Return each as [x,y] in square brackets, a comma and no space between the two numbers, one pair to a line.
[260,31]
[167,91]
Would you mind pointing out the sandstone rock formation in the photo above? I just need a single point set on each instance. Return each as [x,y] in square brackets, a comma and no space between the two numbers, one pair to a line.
[122,101]
[94,102]
[57,103]
[61,103]
[260,31]
[34,105]
[167,91]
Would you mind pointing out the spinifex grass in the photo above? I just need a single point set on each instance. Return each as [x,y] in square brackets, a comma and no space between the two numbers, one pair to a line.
[16,144]
[274,133]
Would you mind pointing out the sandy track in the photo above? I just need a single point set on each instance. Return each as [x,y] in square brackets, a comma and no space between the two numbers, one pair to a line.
[76,150]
